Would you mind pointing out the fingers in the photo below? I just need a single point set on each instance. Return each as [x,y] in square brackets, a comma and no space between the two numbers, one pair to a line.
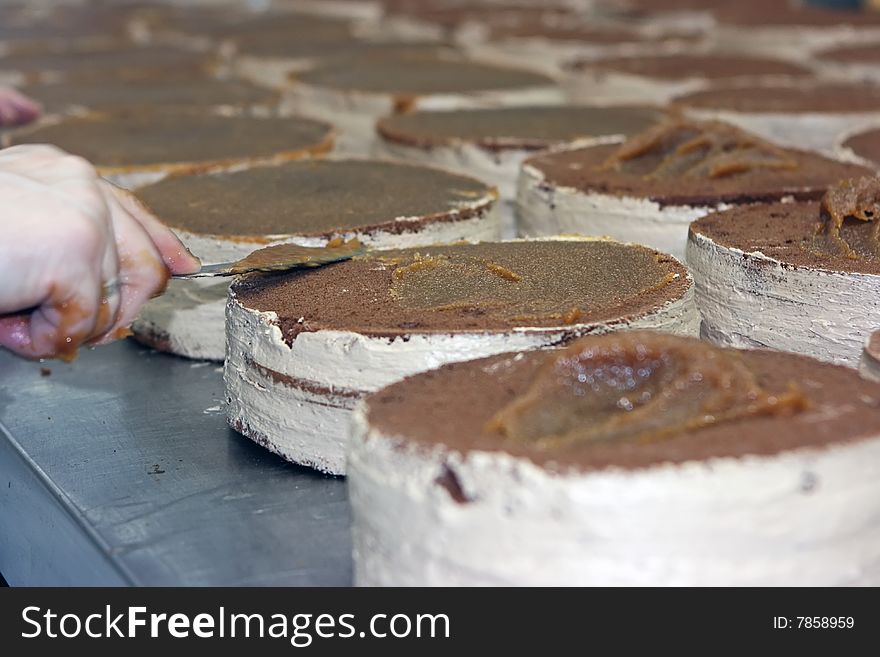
[174,254]
[16,108]
[142,271]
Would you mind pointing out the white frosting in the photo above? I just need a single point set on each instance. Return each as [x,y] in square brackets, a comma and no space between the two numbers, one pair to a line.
[355,113]
[750,521]
[751,300]
[869,365]
[336,368]
[816,131]
[190,315]
[546,209]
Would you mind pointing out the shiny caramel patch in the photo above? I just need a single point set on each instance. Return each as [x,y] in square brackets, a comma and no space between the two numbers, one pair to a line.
[639,387]
[680,148]
[849,222]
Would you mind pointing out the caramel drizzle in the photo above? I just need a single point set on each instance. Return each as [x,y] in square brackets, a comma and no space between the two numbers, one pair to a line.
[709,149]
[856,198]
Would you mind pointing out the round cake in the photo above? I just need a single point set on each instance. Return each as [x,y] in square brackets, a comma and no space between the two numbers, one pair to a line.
[869,366]
[223,216]
[270,60]
[203,94]
[801,277]
[630,459]
[135,149]
[789,29]
[809,116]
[859,62]
[355,93]
[118,62]
[491,144]
[861,147]
[659,78]
[305,347]
[649,189]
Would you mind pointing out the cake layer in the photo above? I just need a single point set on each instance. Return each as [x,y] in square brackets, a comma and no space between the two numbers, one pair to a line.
[726,501]
[179,140]
[817,292]
[362,324]
[652,187]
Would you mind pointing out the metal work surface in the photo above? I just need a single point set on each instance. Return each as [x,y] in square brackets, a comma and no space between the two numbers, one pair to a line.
[120,469]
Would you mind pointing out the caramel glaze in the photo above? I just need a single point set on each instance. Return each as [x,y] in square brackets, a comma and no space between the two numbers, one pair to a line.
[712,149]
[850,219]
[636,386]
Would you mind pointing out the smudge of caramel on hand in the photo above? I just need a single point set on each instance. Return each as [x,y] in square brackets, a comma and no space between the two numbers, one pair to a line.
[638,387]
[287,256]
[857,199]
[710,149]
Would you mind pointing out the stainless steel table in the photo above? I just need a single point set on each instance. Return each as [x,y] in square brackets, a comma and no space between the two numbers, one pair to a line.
[119,469]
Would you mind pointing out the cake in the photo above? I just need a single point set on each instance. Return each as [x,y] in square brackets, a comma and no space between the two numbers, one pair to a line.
[800,277]
[659,78]
[223,216]
[491,144]
[354,94]
[125,62]
[860,62]
[861,147]
[698,466]
[869,366]
[305,347]
[649,189]
[811,116]
[788,30]
[202,94]
[134,149]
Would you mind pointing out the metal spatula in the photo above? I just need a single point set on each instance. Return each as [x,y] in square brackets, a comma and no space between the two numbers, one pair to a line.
[283,257]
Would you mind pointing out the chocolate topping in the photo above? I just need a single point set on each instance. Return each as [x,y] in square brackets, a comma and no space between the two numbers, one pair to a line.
[516,127]
[788,99]
[650,165]
[116,95]
[151,138]
[869,54]
[324,51]
[798,403]
[637,387]
[866,145]
[794,233]
[420,76]
[314,197]
[680,149]
[714,67]
[470,288]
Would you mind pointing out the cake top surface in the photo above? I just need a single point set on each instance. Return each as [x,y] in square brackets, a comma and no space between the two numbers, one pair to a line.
[789,14]
[420,76]
[839,233]
[113,95]
[126,62]
[681,162]
[315,197]
[224,23]
[712,66]
[863,54]
[328,50]
[650,399]
[470,288]
[866,144]
[516,127]
[171,137]
[828,97]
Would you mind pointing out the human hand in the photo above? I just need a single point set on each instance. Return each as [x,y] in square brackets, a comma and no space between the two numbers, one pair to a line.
[16,108]
[78,257]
